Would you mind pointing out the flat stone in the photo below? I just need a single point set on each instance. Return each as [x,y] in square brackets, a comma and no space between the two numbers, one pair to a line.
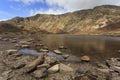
[58,52]
[54,69]
[25,46]
[44,50]
[65,56]
[11,51]
[65,68]
[43,66]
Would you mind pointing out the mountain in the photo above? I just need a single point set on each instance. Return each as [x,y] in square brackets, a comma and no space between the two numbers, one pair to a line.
[103,19]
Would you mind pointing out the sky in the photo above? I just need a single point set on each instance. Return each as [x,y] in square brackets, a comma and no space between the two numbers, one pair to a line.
[24,8]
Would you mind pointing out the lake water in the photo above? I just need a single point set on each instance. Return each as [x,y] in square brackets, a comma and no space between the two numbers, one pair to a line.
[97,47]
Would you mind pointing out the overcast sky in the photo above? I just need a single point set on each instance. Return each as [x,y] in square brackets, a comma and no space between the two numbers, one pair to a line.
[23,8]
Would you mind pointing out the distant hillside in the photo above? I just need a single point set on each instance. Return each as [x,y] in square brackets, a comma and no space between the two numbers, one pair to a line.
[103,19]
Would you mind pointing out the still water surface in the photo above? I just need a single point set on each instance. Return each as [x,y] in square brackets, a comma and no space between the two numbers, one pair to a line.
[97,47]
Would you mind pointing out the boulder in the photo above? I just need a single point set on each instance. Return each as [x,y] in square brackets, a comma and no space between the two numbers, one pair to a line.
[32,65]
[65,68]
[58,52]
[85,58]
[50,60]
[40,73]
[54,69]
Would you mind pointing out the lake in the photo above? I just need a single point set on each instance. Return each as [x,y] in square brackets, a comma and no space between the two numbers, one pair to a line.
[97,47]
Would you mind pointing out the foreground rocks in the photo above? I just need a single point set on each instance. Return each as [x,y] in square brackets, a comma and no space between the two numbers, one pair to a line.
[43,67]
[16,66]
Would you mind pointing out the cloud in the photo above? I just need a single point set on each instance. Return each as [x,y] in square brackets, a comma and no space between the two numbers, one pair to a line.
[72,5]
[48,11]
[27,2]
[64,6]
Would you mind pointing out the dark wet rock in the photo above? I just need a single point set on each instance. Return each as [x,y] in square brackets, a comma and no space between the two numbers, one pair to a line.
[65,68]
[18,65]
[17,55]
[85,58]
[41,73]
[54,68]
[58,52]
[32,65]
[50,60]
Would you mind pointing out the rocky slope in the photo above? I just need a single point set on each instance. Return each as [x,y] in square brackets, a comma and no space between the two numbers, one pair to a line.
[99,20]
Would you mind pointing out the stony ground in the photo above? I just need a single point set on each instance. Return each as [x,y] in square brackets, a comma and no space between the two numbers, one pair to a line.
[18,66]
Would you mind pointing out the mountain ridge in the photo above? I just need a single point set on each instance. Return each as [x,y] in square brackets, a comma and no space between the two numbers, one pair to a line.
[103,19]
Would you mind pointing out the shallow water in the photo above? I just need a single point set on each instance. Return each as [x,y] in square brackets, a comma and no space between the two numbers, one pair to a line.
[71,58]
[97,47]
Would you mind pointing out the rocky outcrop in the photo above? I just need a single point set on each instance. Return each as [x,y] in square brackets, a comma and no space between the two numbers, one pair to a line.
[99,20]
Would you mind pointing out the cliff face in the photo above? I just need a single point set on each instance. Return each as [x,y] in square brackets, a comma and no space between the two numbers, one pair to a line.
[101,19]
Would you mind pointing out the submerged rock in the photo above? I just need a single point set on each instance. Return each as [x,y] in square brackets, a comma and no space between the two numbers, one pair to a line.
[65,56]
[58,52]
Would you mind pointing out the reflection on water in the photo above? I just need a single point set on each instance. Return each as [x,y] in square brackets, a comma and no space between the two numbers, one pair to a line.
[97,47]
[71,58]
